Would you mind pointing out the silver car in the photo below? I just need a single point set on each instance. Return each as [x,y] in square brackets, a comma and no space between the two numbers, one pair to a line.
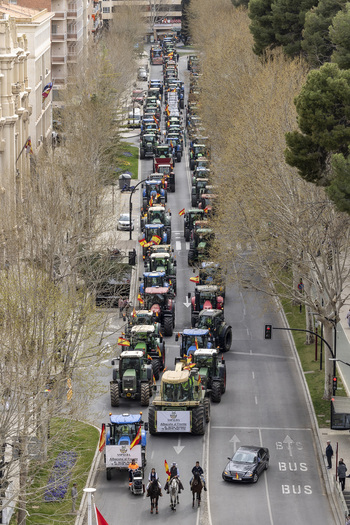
[124,222]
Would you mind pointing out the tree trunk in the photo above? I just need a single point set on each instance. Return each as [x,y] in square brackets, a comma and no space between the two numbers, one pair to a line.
[310,338]
[328,365]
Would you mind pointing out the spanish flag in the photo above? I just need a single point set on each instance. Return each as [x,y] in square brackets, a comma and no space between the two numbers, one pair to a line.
[156,121]
[142,241]
[151,201]
[237,476]
[182,212]
[156,239]
[167,468]
[139,298]
[123,342]
[134,312]
[137,439]
[102,442]
[189,359]
[206,209]
[188,367]
[196,342]
[158,350]
[195,279]
[99,518]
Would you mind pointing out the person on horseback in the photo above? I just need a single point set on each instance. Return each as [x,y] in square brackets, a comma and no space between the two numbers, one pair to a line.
[197,469]
[174,473]
[151,477]
[132,466]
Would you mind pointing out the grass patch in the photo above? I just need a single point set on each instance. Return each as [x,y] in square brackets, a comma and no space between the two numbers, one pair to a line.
[313,375]
[66,435]
[129,160]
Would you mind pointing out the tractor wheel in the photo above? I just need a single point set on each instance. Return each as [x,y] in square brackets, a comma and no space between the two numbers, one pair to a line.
[168,326]
[178,156]
[165,196]
[152,421]
[192,164]
[108,474]
[114,390]
[216,392]
[144,394]
[194,201]
[142,153]
[168,234]
[145,204]
[156,367]
[187,234]
[194,320]
[198,418]
[207,409]
[227,340]
[162,363]
[182,103]
[190,257]
[223,383]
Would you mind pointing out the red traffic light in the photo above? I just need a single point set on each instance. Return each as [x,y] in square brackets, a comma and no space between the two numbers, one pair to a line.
[268,331]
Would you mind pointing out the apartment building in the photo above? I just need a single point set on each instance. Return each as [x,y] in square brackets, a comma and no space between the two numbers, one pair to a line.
[160,15]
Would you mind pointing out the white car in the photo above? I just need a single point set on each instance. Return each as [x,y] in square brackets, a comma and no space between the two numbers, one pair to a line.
[124,222]
[142,74]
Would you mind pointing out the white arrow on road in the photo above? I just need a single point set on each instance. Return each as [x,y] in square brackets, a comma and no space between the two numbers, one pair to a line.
[234,440]
[187,304]
[289,442]
[179,448]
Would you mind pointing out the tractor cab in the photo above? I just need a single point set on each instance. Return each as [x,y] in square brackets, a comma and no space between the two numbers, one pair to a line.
[192,339]
[210,319]
[158,215]
[160,301]
[151,279]
[207,297]
[180,386]
[190,217]
[211,273]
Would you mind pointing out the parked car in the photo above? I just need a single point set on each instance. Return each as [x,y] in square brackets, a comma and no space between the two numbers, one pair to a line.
[246,464]
[124,222]
[142,74]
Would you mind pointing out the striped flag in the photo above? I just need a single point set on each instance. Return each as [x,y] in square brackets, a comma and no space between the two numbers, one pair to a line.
[194,279]
[47,89]
[99,518]
[196,342]
[156,239]
[167,468]
[158,350]
[139,298]
[102,441]
[123,342]
[182,212]
[142,241]
[137,439]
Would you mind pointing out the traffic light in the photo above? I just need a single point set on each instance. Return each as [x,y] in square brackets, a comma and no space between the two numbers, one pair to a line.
[334,384]
[268,331]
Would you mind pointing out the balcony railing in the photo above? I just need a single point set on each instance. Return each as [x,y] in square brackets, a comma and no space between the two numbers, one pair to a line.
[58,37]
[58,59]
[74,34]
[60,15]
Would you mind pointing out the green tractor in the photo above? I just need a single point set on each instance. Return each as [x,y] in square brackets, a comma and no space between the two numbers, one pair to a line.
[220,331]
[199,186]
[190,217]
[132,377]
[145,339]
[181,404]
[157,215]
[200,246]
[141,317]
[212,372]
[148,145]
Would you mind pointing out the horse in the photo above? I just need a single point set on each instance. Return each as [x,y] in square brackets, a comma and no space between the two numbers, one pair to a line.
[196,488]
[174,493]
[154,492]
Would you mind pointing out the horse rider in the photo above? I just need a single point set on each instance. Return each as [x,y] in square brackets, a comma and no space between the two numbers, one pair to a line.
[132,466]
[151,477]
[174,473]
[197,469]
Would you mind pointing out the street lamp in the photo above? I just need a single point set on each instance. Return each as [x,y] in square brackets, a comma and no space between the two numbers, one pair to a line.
[133,188]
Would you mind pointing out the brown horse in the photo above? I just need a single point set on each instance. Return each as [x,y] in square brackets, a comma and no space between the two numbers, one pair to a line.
[196,488]
[154,492]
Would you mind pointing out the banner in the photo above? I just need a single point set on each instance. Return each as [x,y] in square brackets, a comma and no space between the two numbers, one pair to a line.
[172,421]
[119,456]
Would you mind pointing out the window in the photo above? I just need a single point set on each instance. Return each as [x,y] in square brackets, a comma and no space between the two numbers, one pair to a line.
[106,10]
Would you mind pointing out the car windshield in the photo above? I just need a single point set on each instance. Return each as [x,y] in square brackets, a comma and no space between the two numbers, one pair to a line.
[190,341]
[176,392]
[124,217]
[244,457]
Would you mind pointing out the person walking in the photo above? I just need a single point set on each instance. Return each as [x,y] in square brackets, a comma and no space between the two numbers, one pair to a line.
[342,473]
[329,454]
[74,494]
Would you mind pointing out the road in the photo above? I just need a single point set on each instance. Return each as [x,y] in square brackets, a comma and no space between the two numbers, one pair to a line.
[264,404]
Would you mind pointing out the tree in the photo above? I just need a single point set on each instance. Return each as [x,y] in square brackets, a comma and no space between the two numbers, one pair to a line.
[288,23]
[261,27]
[323,108]
[316,41]
[339,34]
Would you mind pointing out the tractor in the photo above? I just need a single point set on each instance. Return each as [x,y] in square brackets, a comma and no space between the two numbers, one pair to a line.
[165,169]
[163,151]
[154,233]
[220,331]
[141,317]
[162,262]
[200,245]
[152,191]
[212,273]
[212,372]
[192,215]
[120,433]
[157,215]
[145,339]
[181,404]
[150,279]
[206,297]
[175,144]
[193,338]
[132,377]
[161,302]
[148,145]
[199,186]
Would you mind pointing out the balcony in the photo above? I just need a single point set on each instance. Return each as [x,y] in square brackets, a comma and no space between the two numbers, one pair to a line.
[74,34]
[58,37]
[60,15]
[60,81]
[74,11]
[58,59]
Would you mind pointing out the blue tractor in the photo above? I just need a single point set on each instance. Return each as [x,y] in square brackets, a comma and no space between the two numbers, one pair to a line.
[152,189]
[192,339]
[121,432]
[150,279]
[154,234]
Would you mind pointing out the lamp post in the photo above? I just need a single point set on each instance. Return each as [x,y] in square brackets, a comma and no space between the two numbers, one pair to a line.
[133,188]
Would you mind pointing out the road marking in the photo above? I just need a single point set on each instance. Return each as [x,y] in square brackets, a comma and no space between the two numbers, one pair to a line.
[253,375]
[256,400]
[179,448]
[187,304]
[261,428]
[251,353]
[178,246]
[267,487]
[187,245]
[235,440]
[179,232]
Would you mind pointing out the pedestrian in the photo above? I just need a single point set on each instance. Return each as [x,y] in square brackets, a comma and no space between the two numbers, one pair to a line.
[301,291]
[74,497]
[348,317]
[121,306]
[342,473]
[329,454]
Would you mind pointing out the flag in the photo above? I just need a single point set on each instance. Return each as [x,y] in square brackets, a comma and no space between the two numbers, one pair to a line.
[182,212]
[156,121]
[158,350]
[195,279]
[206,209]
[167,468]
[139,298]
[156,239]
[123,342]
[188,367]
[142,241]
[99,518]
[137,439]
[237,476]
[189,359]
[47,89]
[102,442]
[151,201]
[196,342]
[28,146]
[149,357]
[134,312]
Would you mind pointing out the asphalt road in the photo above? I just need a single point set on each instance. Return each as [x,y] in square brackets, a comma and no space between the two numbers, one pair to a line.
[264,404]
